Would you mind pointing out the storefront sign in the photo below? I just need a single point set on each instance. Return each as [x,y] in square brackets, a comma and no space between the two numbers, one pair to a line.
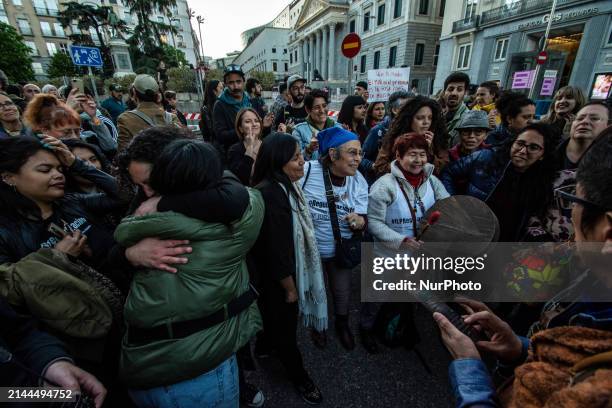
[383,82]
[548,83]
[523,79]
[568,15]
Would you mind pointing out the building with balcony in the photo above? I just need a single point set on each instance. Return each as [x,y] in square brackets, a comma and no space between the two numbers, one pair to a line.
[493,39]
[398,33]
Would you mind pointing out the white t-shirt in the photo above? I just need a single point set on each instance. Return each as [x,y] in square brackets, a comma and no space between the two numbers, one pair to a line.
[353,199]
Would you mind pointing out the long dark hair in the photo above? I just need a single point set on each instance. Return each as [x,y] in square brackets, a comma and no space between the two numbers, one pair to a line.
[275,151]
[184,166]
[537,182]
[345,116]
[402,124]
[14,153]
[209,94]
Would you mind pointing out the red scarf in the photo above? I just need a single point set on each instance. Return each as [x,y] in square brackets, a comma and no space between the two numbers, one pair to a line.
[415,180]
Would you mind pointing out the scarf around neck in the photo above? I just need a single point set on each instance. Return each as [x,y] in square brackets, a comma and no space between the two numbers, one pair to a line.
[312,298]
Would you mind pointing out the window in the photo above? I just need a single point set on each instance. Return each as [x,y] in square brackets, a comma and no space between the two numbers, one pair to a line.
[51,48]
[64,48]
[37,67]
[274,67]
[295,57]
[362,65]
[18,3]
[435,56]
[24,26]
[4,19]
[273,50]
[419,53]
[376,59]
[501,49]
[352,26]
[32,46]
[470,9]
[423,7]
[284,51]
[610,36]
[46,28]
[286,67]
[442,7]
[366,21]
[392,56]
[397,9]
[463,62]
[381,14]
[59,30]
[291,58]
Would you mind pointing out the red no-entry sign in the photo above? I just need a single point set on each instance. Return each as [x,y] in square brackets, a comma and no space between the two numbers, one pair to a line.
[351,45]
[542,57]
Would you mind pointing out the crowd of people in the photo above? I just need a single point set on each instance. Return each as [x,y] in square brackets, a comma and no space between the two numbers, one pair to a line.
[141,262]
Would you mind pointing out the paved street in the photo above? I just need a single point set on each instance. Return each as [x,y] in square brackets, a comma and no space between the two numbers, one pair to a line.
[392,378]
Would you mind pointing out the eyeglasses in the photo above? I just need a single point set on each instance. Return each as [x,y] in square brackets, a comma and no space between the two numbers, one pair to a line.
[566,199]
[232,68]
[354,152]
[6,105]
[531,147]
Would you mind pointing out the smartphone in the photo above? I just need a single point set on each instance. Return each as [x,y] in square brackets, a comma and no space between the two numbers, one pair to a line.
[78,83]
[56,230]
[455,318]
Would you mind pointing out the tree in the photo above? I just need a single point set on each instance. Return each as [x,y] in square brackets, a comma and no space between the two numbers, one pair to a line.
[16,61]
[173,57]
[147,35]
[102,19]
[214,74]
[266,78]
[61,65]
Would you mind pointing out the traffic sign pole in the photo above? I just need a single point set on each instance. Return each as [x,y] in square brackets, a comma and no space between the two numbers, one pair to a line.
[537,70]
[93,84]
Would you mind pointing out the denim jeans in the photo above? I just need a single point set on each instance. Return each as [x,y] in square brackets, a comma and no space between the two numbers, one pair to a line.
[217,388]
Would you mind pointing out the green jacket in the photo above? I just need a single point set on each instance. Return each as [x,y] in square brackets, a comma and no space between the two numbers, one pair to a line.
[215,274]
[60,294]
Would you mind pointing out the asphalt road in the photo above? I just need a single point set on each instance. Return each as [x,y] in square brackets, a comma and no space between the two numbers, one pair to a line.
[392,378]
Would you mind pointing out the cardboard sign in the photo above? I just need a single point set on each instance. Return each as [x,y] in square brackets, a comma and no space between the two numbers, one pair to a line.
[523,79]
[383,82]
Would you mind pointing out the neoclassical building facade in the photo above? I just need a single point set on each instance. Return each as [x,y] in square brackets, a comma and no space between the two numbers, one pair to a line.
[314,43]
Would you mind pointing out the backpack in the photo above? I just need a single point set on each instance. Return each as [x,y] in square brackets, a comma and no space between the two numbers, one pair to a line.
[148,120]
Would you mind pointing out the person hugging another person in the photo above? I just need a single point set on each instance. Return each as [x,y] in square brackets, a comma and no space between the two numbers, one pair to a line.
[516,111]
[185,328]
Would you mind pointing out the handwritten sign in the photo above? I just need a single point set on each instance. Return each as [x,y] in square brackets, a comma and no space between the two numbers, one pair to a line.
[548,83]
[523,79]
[383,82]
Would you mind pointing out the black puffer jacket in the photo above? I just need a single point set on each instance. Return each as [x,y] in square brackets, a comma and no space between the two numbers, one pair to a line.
[23,232]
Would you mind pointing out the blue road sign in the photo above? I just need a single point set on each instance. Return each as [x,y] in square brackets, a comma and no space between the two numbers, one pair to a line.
[86,56]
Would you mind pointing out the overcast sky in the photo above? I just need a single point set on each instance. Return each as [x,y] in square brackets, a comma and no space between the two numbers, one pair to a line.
[224,20]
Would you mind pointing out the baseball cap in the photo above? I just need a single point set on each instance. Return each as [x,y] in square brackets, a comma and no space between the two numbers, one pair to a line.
[294,78]
[232,69]
[143,83]
[362,84]
[116,88]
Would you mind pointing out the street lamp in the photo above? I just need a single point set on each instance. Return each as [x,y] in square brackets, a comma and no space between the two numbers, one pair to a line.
[200,22]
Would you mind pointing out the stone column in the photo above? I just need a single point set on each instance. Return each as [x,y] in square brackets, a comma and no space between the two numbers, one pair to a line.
[316,53]
[310,57]
[332,52]
[303,67]
[300,57]
[319,51]
[324,59]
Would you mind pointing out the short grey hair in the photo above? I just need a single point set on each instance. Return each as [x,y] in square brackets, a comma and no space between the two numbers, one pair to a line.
[395,100]
[47,88]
